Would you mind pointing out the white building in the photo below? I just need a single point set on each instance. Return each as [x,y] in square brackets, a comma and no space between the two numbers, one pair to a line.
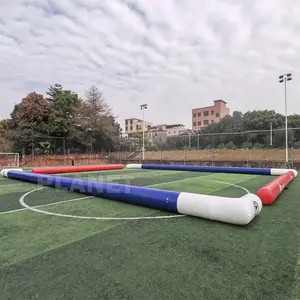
[172,129]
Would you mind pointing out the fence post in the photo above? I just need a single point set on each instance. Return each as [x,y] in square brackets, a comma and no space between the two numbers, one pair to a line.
[64,145]
[248,150]
[185,156]
[213,150]
[293,136]
[161,156]
[292,156]
[248,156]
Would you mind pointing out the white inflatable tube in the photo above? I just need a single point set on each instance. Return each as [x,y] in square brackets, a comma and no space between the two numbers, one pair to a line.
[134,166]
[278,172]
[4,171]
[239,211]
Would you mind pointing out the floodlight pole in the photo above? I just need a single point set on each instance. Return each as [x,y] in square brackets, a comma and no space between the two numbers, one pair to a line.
[143,107]
[284,78]
[286,125]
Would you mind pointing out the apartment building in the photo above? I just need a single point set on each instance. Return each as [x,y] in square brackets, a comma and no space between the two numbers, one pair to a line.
[134,125]
[204,116]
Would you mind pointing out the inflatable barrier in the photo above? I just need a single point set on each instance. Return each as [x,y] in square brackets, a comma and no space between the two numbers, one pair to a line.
[58,170]
[239,211]
[254,171]
[269,193]
[4,171]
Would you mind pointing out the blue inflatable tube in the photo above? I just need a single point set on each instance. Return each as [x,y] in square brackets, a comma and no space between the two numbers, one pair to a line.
[254,171]
[153,198]
[239,211]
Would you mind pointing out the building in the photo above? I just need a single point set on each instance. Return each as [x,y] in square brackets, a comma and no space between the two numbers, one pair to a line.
[157,136]
[172,129]
[204,116]
[134,125]
[186,132]
[124,135]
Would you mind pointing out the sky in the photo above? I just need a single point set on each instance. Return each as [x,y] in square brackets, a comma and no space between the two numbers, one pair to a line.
[173,55]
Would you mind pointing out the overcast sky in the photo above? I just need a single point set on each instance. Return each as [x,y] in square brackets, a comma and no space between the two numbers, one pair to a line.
[173,55]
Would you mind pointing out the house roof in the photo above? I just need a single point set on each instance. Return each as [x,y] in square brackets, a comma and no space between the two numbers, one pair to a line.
[156,130]
[134,119]
[139,120]
[210,106]
[220,100]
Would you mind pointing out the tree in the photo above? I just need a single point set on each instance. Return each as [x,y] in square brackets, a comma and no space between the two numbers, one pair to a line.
[232,131]
[95,126]
[63,104]
[97,102]
[261,119]
[294,122]
[176,142]
[4,142]
[230,126]
[28,118]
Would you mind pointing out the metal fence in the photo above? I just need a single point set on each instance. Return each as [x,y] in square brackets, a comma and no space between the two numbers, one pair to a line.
[247,146]
[255,139]
[255,145]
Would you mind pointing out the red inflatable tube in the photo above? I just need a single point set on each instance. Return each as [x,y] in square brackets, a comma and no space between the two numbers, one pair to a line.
[270,191]
[74,169]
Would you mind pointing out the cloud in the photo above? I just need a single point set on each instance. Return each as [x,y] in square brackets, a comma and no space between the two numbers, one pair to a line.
[173,55]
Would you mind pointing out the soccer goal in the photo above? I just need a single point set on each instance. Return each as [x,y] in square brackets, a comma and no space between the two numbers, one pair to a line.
[9,160]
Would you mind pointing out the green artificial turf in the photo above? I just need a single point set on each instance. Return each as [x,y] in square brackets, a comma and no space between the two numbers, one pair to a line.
[51,257]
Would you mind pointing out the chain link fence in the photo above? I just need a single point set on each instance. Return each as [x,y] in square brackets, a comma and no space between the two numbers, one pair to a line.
[47,150]
[263,145]
[246,147]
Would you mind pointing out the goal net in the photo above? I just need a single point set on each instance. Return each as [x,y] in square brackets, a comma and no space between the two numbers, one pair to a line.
[9,160]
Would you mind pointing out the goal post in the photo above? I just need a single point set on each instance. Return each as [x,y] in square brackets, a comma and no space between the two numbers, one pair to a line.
[9,160]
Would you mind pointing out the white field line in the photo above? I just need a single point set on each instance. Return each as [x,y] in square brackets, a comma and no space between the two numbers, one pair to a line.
[22,202]
[231,184]
[87,197]
[128,173]
[44,205]
[92,218]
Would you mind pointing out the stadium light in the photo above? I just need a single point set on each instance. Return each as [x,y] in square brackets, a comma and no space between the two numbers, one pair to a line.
[143,107]
[284,78]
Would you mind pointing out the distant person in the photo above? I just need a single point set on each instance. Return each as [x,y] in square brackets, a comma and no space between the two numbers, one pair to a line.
[73,162]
